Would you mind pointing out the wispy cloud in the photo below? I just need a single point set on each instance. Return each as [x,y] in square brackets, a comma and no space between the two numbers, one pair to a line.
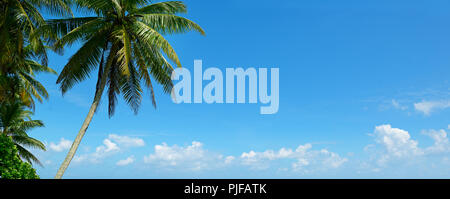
[427,107]
[127,141]
[397,105]
[125,162]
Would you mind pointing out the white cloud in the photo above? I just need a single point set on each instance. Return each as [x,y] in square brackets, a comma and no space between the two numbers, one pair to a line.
[304,158]
[108,146]
[332,159]
[192,157]
[441,142]
[127,141]
[426,107]
[111,145]
[258,160]
[229,159]
[125,162]
[61,146]
[195,157]
[396,142]
[398,146]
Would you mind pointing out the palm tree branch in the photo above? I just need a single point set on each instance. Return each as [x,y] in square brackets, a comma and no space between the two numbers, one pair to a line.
[82,62]
[169,24]
[27,155]
[167,7]
[145,33]
[28,141]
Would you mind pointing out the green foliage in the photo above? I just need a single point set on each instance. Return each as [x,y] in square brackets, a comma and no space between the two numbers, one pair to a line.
[11,166]
[22,54]
[15,121]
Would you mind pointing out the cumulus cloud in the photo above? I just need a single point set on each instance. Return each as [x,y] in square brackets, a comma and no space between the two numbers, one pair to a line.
[111,145]
[125,162]
[192,157]
[61,146]
[108,148]
[304,159]
[195,157]
[259,160]
[427,107]
[396,144]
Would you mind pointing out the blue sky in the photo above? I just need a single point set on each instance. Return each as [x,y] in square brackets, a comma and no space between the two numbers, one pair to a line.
[364,93]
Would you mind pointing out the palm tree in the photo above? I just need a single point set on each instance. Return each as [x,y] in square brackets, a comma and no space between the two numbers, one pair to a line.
[15,121]
[20,50]
[124,43]
[17,79]
[19,19]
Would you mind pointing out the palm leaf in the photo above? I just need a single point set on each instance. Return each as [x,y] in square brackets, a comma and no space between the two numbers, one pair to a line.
[169,24]
[28,141]
[168,7]
[27,155]
[82,62]
[145,33]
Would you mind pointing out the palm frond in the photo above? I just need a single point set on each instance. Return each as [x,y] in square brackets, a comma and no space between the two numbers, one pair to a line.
[131,89]
[167,7]
[34,87]
[82,62]
[55,7]
[145,33]
[28,142]
[55,28]
[27,155]
[125,53]
[82,32]
[38,68]
[169,24]
[143,71]
[157,65]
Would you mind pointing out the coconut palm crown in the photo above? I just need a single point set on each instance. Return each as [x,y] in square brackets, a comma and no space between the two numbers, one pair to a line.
[124,43]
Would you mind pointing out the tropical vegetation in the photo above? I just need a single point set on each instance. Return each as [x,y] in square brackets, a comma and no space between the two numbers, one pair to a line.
[22,56]
[122,40]
[11,166]
[15,121]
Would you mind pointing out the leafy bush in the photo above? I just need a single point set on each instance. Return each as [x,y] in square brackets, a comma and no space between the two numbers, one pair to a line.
[11,166]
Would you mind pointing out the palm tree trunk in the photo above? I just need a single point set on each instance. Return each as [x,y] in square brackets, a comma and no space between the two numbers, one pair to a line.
[101,82]
[80,135]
